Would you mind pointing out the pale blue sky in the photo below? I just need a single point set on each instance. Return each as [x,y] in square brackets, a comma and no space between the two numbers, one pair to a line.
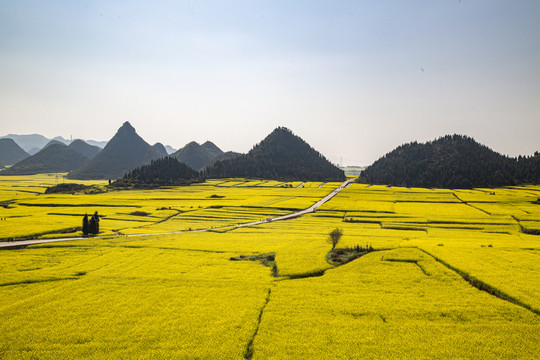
[355,79]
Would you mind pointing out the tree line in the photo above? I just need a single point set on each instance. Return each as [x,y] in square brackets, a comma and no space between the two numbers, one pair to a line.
[453,161]
[166,171]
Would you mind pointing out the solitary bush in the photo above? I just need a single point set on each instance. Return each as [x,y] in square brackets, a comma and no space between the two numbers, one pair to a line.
[139,213]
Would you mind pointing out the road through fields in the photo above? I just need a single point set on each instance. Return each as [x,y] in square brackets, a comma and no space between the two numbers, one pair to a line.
[313,208]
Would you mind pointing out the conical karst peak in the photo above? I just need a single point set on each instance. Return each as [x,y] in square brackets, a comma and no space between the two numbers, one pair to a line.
[126,128]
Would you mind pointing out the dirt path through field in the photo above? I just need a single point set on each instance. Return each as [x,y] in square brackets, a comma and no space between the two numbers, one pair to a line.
[311,209]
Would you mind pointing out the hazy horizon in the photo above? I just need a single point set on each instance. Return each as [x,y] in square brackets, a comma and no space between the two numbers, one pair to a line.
[354,79]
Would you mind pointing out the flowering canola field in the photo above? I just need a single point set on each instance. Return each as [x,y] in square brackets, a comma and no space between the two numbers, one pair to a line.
[455,273]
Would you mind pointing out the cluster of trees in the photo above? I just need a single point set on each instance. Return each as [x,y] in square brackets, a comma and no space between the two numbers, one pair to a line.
[166,171]
[90,227]
[65,188]
[280,156]
[453,161]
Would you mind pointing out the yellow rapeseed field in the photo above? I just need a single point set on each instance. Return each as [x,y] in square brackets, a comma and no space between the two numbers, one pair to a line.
[454,273]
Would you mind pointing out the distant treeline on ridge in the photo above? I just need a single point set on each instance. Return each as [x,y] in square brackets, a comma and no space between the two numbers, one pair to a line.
[166,171]
[452,161]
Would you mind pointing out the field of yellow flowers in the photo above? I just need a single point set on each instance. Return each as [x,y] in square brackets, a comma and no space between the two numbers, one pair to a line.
[454,273]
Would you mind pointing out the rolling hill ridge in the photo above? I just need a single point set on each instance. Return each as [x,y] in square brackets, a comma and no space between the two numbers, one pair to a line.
[53,158]
[84,148]
[280,156]
[452,161]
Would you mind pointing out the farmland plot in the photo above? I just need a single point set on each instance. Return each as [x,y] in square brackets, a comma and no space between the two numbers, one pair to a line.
[453,274]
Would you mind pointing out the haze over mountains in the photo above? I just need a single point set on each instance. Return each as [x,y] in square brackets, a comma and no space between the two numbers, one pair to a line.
[35,142]
[282,155]
[10,152]
[159,147]
[56,157]
[449,162]
[124,152]
[198,156]
[84,148]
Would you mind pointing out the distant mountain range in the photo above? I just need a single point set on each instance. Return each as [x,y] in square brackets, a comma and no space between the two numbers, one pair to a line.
[159,147]
[127,151]
[452,161]
[83,148]
[123,153]
[281,155]
[10,152]
[198,156]
[35,142]
[54,157]
[169,149]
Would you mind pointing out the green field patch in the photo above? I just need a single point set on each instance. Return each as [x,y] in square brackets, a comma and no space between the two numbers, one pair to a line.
[341,256]
[268,260]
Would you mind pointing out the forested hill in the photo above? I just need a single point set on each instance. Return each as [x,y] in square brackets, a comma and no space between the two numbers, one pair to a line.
[452,161]
[166,171]
[280,156]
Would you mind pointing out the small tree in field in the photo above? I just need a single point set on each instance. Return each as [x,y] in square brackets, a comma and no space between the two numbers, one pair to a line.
[93,226]
[96,216]
[85,225]
[334,237]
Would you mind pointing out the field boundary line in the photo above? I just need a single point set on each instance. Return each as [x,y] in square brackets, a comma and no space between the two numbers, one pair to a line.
[474,207]
[248,354]
[483,286]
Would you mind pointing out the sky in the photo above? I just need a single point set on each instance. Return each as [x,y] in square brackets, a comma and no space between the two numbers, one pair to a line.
[354,79]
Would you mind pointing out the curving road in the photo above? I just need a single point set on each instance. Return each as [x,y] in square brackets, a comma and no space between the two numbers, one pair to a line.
[311,209]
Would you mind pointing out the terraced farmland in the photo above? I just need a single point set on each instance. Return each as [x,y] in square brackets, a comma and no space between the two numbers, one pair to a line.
[454,273]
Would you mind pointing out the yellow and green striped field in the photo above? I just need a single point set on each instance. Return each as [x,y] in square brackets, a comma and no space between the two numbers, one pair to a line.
[455,273]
